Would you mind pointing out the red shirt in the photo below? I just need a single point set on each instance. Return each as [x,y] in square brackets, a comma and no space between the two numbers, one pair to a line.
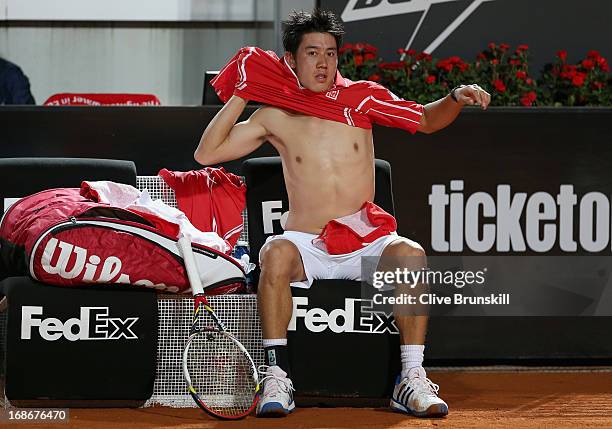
[353,232]
[212,199]
[258,75]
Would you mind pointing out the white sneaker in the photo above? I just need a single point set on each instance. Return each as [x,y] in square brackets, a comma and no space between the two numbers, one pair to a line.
[276,398]
[418,395]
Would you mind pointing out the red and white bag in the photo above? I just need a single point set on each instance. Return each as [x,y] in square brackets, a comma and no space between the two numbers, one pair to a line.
[61,238]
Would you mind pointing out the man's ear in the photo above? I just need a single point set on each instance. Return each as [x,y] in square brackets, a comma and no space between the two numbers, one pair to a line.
[290,59]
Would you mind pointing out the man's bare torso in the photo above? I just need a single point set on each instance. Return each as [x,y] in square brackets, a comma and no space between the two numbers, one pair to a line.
[328,167]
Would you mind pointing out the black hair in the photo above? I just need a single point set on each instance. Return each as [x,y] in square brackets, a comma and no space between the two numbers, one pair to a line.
[319,21]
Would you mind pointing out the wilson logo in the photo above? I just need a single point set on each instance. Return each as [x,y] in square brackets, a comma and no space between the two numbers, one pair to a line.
[94,323]
[90,267]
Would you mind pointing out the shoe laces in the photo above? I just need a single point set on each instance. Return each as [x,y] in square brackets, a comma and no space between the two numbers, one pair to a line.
[275,383]
[420,383]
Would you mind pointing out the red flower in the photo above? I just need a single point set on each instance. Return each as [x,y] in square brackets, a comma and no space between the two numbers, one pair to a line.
[446,65]
[562,55]
[588,64]
[358,59]
[528,98]
[603,64]
[345,47]
[397,65]
[578,79]
[529,81]
[375,77]
[369,56]
[499,85]
[462,66]
[481,56]
[515,62]
[370,49]
[598,85]
[494,61]
[521,48]
[568,72]
[401,51]
[492,46]
[411,52]
[593,54]
[430,79]
[423,56]
[504,46]
[521,75]
[358,47]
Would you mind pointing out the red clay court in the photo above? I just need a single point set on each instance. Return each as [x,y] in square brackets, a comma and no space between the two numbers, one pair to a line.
[504,398]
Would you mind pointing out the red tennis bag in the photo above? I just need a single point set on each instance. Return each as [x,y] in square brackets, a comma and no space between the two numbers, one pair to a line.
[61,238]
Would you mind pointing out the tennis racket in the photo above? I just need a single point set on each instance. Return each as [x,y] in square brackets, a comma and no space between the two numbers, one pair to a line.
[220,374]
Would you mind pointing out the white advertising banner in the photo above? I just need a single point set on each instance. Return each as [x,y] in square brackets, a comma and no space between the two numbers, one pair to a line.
[136,10]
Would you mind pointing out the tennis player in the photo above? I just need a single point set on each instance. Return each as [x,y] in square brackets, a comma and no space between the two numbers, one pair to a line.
[328,165]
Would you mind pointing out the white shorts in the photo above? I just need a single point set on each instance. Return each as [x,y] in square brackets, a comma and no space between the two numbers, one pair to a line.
[319,264]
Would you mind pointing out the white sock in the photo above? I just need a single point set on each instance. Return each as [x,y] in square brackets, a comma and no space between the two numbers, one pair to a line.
[412,356]
[274,342]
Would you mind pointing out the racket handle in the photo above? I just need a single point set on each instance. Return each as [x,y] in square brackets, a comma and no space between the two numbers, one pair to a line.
[190,265]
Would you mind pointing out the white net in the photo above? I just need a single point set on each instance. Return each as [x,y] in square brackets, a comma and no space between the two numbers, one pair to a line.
[158,189]
[238,312]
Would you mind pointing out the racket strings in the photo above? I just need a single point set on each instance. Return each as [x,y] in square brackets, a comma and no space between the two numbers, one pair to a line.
[221,373]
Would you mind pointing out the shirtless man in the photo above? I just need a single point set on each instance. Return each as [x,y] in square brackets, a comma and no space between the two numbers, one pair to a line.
[335,161]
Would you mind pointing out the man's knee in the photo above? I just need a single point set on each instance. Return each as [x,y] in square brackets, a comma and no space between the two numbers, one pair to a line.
[405,248]
[403,253]
[279,258]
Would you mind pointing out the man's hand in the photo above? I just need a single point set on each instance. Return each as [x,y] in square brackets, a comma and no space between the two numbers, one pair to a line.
[472,95]
[442,112]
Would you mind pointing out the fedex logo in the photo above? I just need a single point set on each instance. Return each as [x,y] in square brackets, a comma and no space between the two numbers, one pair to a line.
[273,211]
[357,316]
[93,323]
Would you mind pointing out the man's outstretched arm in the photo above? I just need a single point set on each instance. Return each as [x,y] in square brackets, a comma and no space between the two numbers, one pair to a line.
[225,140]
[441,113]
